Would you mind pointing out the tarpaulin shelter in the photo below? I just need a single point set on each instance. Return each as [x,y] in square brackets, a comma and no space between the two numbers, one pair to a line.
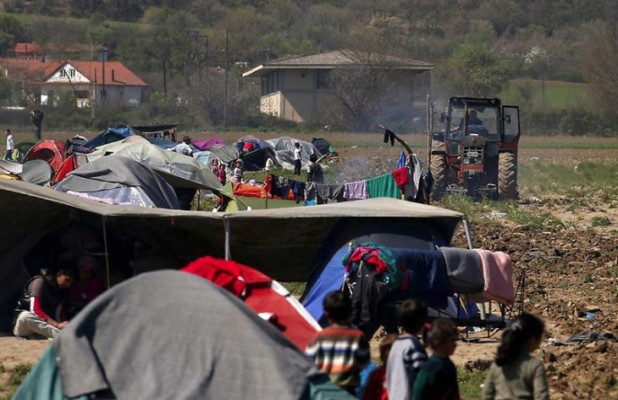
[49,150]
[262,294]
[170,335]
[120,181]
[281,243]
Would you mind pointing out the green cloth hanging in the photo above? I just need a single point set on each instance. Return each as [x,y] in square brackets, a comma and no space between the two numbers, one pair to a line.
[383,186]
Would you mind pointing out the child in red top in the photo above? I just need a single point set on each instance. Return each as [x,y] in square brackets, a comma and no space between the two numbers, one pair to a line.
[376,387]
[88,286]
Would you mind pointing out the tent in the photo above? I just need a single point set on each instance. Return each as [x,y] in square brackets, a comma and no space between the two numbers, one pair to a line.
[262,294]
[284,149]
[49,150]
[207,144]
[192,340]
[109,135]
[323,146]
[119,180]
[178,170]
[281,243]
[38,172]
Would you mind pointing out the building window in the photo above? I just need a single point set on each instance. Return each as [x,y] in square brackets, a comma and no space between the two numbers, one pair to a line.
[81,94]
[67,73]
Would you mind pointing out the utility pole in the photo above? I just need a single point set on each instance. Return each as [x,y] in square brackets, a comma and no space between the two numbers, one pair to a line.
[227,35]
[103,91]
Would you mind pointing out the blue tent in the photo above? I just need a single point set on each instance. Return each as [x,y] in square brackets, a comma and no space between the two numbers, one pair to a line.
[109,135]
[418,237]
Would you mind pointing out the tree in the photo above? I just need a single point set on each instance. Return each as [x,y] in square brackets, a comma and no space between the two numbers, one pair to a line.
[10,30]
[474,70]
[600,71]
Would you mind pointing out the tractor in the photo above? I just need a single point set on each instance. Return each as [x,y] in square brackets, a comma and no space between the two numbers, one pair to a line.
[476,152]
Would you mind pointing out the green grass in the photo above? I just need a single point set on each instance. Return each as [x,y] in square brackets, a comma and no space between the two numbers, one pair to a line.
[16,376]
[558,95]
[470,383]
[575,181]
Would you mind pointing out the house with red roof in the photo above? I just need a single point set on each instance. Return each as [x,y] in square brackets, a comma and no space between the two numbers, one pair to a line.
[91,82]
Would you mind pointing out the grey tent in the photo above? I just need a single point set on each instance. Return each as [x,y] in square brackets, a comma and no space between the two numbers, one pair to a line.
[178,170]
[282,243]
[38,172]
[120,180]
[192,340]
[284,150]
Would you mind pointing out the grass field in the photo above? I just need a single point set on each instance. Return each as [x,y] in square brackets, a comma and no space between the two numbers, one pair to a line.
[557,95]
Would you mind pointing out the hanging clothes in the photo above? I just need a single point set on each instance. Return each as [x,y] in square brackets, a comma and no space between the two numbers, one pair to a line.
[498,277]
[426,276]
[403,159]
[298,190]
[355,190]
[280,187]
[329,193]
[383,186]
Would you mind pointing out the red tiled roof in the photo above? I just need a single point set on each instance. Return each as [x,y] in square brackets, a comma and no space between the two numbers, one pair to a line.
[115,73]
[28,70]
[26,48]
[38,71]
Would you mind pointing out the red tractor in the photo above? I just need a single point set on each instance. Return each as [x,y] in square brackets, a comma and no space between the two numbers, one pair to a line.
[476,153]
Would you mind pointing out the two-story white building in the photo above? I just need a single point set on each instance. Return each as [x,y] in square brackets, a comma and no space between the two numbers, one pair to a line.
[90,82]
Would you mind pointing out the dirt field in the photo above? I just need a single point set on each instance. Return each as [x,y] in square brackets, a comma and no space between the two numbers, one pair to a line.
[571,267]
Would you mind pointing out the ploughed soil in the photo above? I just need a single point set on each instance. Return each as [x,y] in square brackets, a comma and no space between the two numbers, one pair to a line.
[571,281]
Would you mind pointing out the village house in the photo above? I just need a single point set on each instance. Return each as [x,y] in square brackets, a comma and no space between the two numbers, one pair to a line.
[296,88]
[91,82]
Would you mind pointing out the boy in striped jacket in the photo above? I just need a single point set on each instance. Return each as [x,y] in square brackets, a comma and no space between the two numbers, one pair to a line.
[340,350]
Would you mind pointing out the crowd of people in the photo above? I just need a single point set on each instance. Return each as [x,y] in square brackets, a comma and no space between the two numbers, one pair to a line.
[407,373]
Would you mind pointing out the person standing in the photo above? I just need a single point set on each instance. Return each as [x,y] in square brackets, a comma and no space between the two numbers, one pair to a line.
[10,146]
[407,354]
[437,378]
[315,175]
[515,374]
[340,350]
[36,310]
[298,151]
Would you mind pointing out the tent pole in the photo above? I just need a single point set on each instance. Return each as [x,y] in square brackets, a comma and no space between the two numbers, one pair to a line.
[106,251]
[467,231]
[226,224]
[469,239]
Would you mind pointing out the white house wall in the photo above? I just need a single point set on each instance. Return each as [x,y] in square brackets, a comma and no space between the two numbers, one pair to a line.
[271,104]
[70,75]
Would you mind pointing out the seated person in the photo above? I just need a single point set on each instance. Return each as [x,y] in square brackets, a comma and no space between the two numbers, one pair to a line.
[36,310]
[473,119]
[88,285]
[474,124]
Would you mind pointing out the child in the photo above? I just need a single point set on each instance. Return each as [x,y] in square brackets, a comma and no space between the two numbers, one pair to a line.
[222,174]
[515,373]
[437,378]
[339,350]
[88,285]
[407,354]
[298,151]
[375,389]
[238,171]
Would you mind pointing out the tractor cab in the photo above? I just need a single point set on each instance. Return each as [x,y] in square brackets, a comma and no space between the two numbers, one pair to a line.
[478,141]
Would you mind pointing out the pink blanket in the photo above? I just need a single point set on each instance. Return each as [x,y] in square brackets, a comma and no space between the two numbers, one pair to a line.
[498,276]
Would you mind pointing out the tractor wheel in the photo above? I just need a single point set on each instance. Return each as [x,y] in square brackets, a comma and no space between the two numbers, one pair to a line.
[507,176]
[438,170]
